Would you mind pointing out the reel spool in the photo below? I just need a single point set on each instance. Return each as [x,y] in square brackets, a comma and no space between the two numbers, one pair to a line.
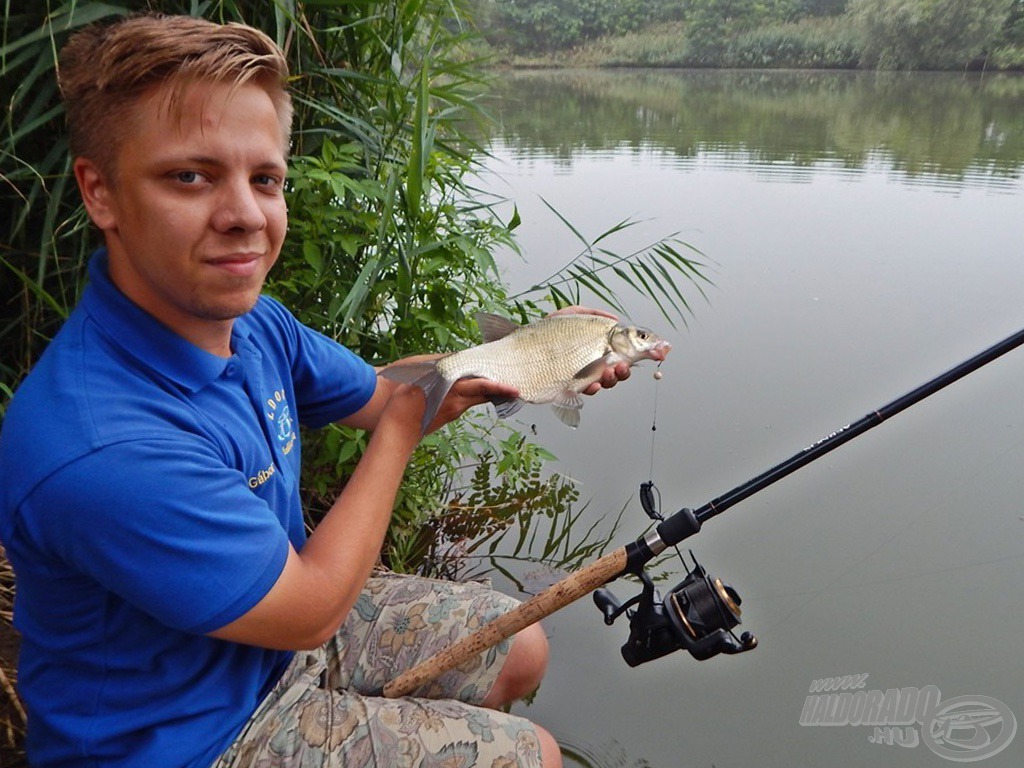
[698,615]
[699,605]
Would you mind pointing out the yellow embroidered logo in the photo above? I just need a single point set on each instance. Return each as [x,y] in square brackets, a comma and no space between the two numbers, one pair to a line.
[262,476]
[280,415]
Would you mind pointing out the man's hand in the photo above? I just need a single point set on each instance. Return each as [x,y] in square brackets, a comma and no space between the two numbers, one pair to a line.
[407,401]
[464,394]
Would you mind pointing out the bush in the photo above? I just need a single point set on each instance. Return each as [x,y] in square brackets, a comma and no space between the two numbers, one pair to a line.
[389,250]
[928,34]
[810,44]
[1010,57]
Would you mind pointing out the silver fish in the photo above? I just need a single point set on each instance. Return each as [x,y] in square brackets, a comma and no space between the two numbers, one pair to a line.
[551,360]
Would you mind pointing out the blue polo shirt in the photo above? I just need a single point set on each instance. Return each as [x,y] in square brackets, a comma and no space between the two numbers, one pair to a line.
[148,494]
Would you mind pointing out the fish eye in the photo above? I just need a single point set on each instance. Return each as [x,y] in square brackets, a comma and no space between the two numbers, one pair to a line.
[643,335]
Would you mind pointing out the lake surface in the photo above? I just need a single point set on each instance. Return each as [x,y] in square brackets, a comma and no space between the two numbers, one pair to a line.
[864,234]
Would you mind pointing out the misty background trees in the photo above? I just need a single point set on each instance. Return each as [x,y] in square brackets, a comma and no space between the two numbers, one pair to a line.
[885,34]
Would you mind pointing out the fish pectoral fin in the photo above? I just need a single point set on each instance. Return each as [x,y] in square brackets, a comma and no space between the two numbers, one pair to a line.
[567,408]
[590,370]
[494,327]
[506,406]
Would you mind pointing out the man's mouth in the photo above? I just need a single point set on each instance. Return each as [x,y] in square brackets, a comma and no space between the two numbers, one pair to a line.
[238,264]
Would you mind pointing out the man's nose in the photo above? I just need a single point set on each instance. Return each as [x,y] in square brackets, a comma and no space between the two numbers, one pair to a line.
[238,208]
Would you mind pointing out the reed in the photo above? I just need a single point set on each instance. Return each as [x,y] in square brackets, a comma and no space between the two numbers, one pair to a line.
[390,246]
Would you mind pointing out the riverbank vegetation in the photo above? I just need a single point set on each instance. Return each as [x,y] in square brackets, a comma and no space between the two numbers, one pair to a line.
[819,34]
[390,250]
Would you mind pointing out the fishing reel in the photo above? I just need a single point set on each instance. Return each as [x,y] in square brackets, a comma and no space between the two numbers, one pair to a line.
[698,614]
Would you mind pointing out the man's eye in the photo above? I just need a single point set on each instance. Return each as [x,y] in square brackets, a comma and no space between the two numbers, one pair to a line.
[187,177]
[264,180]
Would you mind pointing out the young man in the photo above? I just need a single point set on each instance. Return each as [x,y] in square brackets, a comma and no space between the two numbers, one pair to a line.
[172,610]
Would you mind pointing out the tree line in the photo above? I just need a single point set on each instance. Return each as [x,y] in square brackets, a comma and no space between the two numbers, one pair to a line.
[884,34]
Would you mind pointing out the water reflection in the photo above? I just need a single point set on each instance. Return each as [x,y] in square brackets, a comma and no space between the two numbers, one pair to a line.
[866,236]
[937,128]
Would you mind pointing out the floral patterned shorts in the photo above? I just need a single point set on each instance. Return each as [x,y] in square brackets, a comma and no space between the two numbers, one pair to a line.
[326,711]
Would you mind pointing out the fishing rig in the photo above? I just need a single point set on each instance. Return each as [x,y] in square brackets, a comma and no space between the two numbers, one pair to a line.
[698,614]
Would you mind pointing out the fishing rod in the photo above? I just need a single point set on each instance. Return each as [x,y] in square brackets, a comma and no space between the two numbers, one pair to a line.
[699,614]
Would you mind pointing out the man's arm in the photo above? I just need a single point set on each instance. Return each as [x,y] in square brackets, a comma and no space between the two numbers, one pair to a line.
[320,584]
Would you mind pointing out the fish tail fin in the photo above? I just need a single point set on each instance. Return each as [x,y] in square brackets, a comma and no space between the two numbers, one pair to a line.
[425,376]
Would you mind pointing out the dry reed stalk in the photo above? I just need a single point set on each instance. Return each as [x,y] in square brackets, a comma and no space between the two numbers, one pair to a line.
[15,702]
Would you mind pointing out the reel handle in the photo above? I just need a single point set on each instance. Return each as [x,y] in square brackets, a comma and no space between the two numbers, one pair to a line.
[608,604]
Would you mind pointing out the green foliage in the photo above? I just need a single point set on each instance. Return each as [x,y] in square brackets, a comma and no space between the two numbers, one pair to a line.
[1009,49]
[1013,27]
[887,34]
[508,508]
[928,34]
[807,44]
[389,250]
[814,8]
[712,23]
[647,270]
[533,25]
[1008,57]
[45,239]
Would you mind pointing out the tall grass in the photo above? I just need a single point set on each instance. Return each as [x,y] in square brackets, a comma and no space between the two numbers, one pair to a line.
[389,248]
[818,43]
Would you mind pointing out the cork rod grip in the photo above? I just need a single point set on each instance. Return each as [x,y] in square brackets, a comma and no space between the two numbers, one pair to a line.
[557,596]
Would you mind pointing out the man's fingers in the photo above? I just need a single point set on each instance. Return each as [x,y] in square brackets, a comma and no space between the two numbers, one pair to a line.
[482,390]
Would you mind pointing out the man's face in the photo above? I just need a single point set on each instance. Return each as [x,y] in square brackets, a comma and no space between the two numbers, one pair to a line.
[195,215]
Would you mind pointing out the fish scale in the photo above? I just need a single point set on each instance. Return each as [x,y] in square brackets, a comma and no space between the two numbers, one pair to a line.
[551,360]
[540,359]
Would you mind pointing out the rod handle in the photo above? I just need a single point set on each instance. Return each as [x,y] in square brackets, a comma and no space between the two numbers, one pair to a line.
[557,596]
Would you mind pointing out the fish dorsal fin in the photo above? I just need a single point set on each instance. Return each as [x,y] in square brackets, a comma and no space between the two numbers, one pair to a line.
[494,327]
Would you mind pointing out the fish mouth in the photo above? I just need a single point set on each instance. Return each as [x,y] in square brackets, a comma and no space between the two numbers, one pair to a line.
[660,350]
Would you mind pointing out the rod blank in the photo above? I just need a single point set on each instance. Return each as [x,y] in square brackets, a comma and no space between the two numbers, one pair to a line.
[845,434]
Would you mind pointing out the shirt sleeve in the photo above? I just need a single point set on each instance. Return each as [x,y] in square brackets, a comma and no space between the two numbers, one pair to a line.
[331,382]
[170,529]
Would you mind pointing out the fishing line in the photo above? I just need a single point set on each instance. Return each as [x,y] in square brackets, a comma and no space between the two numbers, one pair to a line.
[652,505]
[654,422]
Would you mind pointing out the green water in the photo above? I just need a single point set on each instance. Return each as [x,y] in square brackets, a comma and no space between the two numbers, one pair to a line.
[865,233]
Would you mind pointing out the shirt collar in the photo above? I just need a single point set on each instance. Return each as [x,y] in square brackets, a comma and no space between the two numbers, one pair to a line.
[143,336]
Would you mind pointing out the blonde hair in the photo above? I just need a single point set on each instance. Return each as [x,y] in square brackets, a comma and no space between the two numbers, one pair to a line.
[104,70]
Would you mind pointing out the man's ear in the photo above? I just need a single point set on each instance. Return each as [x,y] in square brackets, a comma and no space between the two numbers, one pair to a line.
[96,193]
